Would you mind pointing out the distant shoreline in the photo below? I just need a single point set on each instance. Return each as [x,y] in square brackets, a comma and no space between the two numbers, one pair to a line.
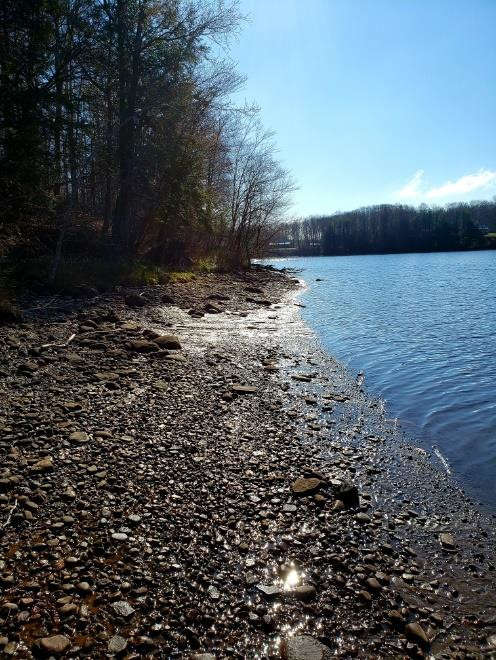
[281,255]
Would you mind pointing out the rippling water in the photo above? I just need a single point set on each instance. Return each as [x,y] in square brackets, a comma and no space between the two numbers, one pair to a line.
[422,328]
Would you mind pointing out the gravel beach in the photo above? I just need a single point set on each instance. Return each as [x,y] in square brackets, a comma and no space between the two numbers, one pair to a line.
[186,473]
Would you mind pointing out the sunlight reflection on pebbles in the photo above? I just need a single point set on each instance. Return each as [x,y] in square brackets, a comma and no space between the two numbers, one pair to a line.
[291,580]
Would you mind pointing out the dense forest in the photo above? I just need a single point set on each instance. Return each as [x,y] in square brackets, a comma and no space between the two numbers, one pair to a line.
[395,228]
[119,141]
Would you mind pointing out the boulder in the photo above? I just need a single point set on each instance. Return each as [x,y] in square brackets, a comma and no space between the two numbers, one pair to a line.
[210,308]
[135,300]
[348,494]
[142,346]
[171,342]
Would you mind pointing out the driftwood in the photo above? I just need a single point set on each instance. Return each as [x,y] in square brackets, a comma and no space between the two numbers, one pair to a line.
[59,345]
[12,509]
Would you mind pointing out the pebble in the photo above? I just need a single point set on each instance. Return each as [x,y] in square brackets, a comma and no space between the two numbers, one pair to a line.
[80,437]
[447,541]
[184,502]
[304,647]
[415,631]
[269,590]
[363,518]
[243,389]
[56,644]
[304,486]
[305,592]
[117,644]
[123,609]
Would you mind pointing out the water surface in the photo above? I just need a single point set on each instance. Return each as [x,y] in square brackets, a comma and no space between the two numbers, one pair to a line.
[422,328]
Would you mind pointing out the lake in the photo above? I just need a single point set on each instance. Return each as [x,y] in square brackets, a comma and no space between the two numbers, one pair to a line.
[422,328]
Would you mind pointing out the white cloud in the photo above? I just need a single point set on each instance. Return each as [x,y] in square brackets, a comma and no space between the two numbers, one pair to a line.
[465,184]
[411,189]
[483,181]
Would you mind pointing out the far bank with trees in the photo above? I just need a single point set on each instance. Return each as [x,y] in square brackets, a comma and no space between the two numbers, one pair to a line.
[388,228]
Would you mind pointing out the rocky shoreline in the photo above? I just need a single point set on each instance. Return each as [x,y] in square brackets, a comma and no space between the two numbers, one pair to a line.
[185,473]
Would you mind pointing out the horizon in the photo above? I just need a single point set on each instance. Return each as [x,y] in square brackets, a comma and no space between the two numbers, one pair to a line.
[418,207]
[375,102]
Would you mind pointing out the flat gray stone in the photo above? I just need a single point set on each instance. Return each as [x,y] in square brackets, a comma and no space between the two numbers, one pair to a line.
[305,592]
[243,389]
[117,644]
[79,436]
[269,590]
[447,541]
[304,486]
[304,647]
[123,609]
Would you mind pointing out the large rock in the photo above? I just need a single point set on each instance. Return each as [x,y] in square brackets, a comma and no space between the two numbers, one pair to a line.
[55,644]
[196,313]
[142,346]
[348,494]
[304,486]
[211,308]
[170,342]
[135,300]
[416,632]
[304,647]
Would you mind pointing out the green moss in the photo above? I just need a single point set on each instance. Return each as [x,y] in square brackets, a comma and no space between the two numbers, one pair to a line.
[181,276]
[206,265]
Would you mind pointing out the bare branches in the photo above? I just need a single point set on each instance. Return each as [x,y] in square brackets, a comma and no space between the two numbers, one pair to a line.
[131,130]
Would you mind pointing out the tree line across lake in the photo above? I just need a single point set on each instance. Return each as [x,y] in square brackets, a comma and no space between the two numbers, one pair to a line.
[390,228]
[120,141]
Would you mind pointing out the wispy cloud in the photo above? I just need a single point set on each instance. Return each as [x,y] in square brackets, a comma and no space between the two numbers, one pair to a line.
[415,190]
[411,190]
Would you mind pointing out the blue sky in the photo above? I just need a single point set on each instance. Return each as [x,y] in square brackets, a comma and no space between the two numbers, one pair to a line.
[376,100]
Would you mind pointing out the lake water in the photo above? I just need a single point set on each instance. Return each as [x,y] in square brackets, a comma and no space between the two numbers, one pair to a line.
[422,327]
